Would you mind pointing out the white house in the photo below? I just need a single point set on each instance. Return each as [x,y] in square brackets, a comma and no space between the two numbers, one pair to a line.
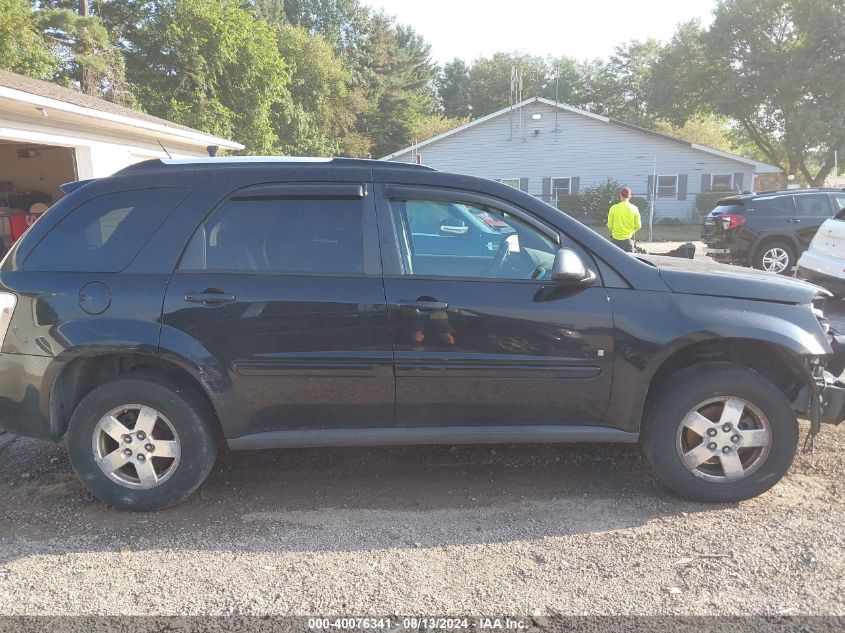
[550,149]
[50,135]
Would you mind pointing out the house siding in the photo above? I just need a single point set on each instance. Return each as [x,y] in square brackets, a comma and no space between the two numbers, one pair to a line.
[583,147]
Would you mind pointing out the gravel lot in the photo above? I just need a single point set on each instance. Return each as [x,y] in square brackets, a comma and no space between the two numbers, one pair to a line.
[542,530]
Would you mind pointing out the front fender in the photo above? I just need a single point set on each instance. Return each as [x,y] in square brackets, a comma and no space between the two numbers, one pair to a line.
[651,327]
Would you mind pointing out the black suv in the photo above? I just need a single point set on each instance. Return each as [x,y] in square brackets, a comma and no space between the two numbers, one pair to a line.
[150,315]
[768,230]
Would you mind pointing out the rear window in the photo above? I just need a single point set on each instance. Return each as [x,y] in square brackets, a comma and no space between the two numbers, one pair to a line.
[104,234]
[727,208]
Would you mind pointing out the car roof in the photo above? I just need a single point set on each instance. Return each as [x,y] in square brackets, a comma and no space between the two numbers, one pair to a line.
[223,162]
[740,198]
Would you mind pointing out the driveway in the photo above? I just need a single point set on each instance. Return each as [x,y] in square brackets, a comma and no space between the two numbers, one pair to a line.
[516,529]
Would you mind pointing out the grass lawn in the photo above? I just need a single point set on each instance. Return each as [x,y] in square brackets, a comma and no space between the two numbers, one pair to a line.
[662,232]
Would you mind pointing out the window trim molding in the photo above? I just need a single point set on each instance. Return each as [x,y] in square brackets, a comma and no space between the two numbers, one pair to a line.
[713,175]
[657,195]
[516,180]
[371,263]
[568,185]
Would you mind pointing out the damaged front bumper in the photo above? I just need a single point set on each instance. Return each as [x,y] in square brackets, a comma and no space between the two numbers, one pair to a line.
[831,388]
[822,399]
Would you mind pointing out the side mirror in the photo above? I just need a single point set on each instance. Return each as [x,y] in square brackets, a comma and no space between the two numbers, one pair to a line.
[569,268]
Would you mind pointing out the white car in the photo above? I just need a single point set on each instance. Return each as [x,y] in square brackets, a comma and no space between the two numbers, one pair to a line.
[824,262]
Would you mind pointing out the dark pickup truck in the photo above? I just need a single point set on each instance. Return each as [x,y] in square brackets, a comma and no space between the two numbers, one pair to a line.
[178,304]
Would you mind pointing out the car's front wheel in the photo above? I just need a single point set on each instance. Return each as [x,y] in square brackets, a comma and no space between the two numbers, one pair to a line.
[142,442]
[720,432]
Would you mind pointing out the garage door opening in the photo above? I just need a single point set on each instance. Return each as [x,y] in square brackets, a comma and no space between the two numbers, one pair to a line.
[30,179]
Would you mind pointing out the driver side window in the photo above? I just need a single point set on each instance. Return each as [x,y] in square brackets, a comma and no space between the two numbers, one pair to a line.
[457,239]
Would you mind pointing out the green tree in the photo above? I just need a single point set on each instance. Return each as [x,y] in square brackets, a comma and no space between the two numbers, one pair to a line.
[88,56]
[631,70]
[345,24]
[22,47]
[776,68]
[401,90]
[453,89]
[599,198]
[490,81]
[325,111]
[213,65]
[705,129]
[680,76]
[429,126]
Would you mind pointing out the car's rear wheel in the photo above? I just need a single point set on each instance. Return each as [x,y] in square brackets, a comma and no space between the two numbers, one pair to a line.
[775,257]
[142,442]
[720,432]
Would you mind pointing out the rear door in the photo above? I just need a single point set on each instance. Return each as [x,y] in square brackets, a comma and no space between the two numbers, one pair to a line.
[767,215]
[282,285]
[481,337]
[812,210]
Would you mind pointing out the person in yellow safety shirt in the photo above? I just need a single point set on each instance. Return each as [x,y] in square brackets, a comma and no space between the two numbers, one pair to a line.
[623,220]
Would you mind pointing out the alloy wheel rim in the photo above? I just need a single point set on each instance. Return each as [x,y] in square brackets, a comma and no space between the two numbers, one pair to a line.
[775,260]
[136,446]
[724,439]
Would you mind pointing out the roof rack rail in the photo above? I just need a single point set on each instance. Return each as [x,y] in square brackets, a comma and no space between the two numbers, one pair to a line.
[221,161]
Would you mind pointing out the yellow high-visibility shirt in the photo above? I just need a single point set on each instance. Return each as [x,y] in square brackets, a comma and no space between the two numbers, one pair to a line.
[623,220]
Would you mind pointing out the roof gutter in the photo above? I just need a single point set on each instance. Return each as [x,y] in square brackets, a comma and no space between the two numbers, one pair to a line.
[39,101]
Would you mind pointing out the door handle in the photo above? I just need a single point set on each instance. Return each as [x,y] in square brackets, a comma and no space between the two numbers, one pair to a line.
[210,298]
[794,220]
[423,306]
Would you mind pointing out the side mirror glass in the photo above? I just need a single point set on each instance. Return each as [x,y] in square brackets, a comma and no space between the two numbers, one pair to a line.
[569,268]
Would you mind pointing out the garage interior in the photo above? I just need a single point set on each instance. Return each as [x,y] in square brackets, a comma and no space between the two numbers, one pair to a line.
[31,173]
[30,180]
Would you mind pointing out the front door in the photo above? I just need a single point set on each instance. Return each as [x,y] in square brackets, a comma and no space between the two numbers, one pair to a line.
[282,286]
[480,335]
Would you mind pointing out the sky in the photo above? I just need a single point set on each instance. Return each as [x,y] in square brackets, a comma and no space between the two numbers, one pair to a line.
[583,29]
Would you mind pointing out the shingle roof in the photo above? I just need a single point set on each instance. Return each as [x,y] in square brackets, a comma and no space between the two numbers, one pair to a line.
[759,166]
[50,90]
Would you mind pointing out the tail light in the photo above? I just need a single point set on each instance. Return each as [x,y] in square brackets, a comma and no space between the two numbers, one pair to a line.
[731,221]
[8,301]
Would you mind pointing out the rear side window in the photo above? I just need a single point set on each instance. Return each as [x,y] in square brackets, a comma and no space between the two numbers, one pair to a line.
[773,207]
[104,234]
[839,201]
[813,205]
[280,235]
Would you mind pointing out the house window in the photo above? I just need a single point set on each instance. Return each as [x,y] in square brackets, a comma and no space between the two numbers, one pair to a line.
[561,187]
[510,182]
[722,182]
[667,187]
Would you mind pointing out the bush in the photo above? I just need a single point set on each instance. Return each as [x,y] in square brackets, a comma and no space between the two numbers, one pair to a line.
[641,204]
[573,205]
[599,199]
[706,202]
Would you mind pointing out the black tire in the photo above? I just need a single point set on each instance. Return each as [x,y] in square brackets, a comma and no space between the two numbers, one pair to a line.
[187,412]
[766,248]
[698,384]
